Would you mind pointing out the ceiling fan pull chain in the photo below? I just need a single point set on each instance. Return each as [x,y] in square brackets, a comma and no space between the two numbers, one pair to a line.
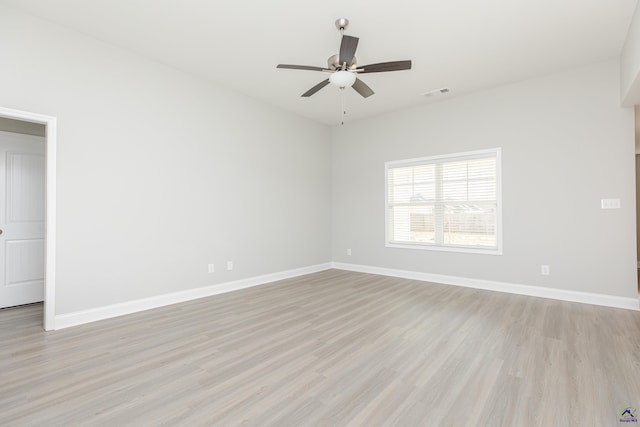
[344,108]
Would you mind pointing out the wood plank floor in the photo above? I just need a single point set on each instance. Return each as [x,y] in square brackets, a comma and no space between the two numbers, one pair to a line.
[332,348]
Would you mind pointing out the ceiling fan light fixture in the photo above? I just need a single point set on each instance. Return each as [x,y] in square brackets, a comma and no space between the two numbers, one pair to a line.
[342,79]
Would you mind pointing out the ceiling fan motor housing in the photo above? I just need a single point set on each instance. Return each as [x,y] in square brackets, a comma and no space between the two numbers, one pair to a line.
[333,63]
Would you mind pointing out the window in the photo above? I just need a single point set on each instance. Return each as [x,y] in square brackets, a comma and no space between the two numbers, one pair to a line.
[449,203]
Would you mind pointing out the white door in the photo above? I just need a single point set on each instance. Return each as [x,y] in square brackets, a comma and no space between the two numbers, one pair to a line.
[22,213]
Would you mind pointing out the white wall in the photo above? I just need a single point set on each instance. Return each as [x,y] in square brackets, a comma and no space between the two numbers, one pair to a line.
[566,144]
[160,173]
[630,63]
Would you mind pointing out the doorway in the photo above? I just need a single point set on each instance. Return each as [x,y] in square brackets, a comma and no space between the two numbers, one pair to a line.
[22,213]
[50,205]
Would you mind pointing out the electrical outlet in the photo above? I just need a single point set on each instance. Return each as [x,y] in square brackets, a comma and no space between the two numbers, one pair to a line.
[348,251]
[544,270]
[212,268]
[229,265]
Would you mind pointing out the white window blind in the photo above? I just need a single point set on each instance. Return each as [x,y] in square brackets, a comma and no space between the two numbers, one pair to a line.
[446,202]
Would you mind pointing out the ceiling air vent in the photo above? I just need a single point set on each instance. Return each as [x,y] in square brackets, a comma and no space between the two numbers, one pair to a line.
[435,92]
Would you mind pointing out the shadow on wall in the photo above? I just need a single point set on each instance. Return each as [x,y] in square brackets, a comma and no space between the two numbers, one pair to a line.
[26,128]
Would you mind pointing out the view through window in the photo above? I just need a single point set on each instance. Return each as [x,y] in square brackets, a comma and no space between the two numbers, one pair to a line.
[446,202]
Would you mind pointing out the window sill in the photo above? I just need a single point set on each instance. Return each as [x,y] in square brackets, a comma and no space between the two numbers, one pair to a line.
[461,249]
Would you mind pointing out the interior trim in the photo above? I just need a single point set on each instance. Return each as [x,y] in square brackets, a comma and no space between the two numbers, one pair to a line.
[489,285]
[50,221]
[106,312]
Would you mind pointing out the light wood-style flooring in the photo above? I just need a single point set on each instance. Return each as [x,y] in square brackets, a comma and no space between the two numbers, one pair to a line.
[332,348]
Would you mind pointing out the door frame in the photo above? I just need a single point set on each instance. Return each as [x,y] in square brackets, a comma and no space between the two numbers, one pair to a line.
[50,206]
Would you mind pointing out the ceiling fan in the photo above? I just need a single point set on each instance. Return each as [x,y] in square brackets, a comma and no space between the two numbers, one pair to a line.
[344,67]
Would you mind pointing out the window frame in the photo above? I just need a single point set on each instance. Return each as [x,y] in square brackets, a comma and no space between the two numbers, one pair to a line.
[491,152]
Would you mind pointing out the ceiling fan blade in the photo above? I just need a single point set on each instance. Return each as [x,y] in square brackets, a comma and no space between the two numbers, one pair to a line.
[315,88]
[362,88]
[348,48]
[301,67]
[386,66]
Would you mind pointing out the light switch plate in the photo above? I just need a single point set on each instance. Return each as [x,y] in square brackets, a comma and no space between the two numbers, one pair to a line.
[610,204]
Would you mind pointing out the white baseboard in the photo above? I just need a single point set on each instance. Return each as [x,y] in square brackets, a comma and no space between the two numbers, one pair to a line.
[100,313]
[535,291]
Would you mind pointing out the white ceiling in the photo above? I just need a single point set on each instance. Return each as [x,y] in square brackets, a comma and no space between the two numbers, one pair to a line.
[465,45]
